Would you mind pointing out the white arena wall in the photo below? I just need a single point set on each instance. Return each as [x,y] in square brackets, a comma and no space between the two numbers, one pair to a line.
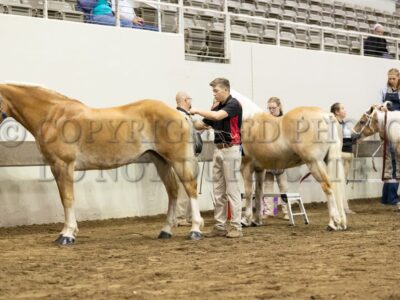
[106,66]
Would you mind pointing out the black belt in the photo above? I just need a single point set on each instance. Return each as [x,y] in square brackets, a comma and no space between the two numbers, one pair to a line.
[224,145]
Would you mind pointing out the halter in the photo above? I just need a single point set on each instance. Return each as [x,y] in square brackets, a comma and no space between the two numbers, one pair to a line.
[367,123]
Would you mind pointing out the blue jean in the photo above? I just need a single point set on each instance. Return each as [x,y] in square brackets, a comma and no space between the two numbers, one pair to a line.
[109,20]
[389,190]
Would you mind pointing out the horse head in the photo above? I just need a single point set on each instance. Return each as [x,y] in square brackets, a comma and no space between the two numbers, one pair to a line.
[368,124]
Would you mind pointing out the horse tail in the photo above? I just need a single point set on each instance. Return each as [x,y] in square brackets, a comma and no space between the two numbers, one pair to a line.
[335,171]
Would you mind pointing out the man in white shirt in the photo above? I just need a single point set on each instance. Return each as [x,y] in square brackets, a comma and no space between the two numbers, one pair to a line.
[127,12]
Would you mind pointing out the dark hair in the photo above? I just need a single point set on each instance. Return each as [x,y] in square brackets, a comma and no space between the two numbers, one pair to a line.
[335,107]
[221,82]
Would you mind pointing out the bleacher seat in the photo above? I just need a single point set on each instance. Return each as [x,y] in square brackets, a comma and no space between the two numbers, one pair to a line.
[150,15]
[15,7]
[213,4]
[315,19]
[233,5]
[276,3]
[352,25]
[289,15]
[301,41]
[287,38]
[238,32]
[253,35]
[169,19]
[194,3]
[269,36]
[330,44]
[363,26]
[314,39]
[327,21]
[216,39]
[275,13]
[195,37]
[261,7]
[247,9]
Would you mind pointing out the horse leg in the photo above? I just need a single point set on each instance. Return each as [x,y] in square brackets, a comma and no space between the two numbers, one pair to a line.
[63,173]
[169,180]
[259,195]
[318,170]
[247,174]
[186,172]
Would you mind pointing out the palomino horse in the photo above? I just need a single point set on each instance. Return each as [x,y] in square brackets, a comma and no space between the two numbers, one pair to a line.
[305,135]
[72,136]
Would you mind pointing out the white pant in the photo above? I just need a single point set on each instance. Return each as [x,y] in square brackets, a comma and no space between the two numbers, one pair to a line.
[269,181]
[347,158]
[226,172]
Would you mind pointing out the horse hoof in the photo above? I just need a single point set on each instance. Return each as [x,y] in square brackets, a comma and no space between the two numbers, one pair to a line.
[65,240]
[195,236]
[255,224]
[164,235]
[330,228]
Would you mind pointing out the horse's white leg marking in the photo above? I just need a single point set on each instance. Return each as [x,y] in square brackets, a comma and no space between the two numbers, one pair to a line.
[63,173]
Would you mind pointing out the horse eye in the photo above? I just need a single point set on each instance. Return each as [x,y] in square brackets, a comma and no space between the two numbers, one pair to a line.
[362,122]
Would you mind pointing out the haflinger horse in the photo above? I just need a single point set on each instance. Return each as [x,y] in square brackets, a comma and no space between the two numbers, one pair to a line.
[71,136]
[304,135]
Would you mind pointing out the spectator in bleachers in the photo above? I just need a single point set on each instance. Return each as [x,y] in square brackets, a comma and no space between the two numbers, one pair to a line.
[376,46]
[104,14]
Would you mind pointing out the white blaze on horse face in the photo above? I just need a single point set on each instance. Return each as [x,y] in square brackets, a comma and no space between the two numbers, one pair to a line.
[248,106]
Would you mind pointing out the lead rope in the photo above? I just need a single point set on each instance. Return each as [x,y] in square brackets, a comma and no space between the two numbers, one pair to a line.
[384,146]
[373,157]
[354,167]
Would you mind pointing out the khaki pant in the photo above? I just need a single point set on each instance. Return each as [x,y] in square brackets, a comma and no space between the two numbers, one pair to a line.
[347,159]
[183,207]
[391,158]
[226,173]
[269,181]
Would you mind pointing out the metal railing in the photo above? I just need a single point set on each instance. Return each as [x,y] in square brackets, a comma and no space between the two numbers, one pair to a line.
[178,12]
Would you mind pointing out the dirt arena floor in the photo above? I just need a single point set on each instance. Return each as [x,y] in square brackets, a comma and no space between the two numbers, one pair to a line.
[122,259]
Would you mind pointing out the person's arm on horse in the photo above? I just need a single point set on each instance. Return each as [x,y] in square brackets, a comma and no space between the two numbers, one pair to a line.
[210,115]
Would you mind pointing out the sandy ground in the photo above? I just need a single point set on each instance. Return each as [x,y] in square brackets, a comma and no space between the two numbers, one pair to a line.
[122,259]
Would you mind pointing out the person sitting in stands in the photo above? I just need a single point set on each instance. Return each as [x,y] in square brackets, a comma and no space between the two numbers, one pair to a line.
[104,14]
[376,46]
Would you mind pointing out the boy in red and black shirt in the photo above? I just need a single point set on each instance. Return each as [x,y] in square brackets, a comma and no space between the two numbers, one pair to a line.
[226,120]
